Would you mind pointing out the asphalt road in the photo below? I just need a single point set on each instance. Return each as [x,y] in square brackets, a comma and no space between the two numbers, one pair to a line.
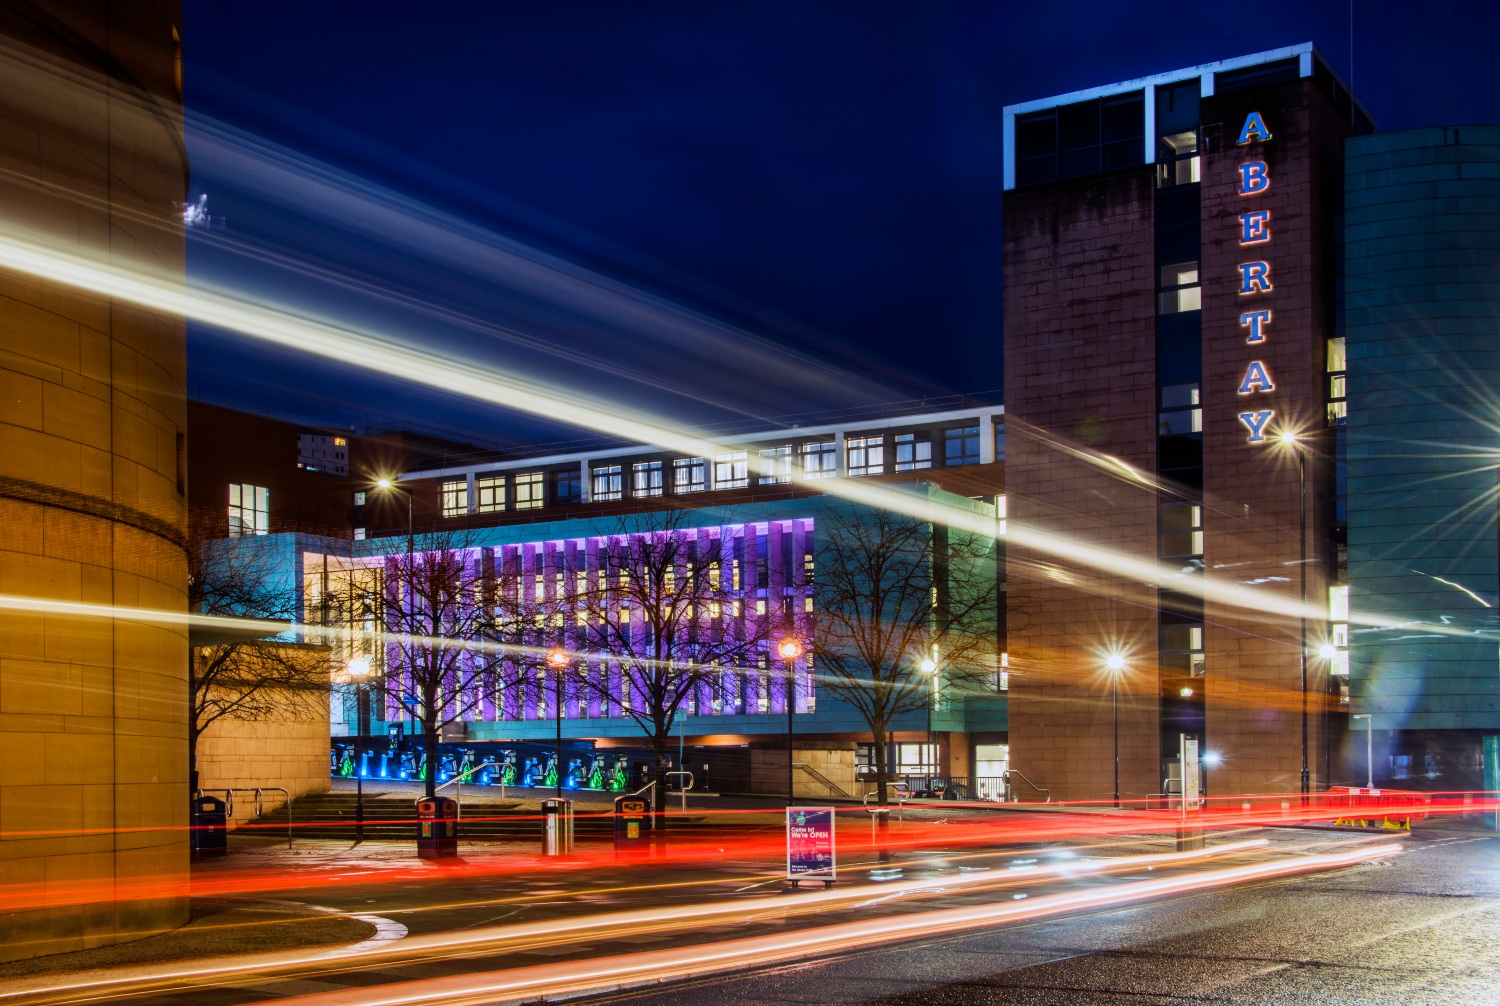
[1419,928]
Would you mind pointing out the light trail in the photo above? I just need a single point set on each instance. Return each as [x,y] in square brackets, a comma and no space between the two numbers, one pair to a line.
[546,933]
[388,355]
[573,978]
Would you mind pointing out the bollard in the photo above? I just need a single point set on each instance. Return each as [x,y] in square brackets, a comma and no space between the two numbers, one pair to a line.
[557,827]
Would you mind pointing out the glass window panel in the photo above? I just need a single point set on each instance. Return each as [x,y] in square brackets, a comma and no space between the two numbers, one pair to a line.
[1337,360]
[961,446]
[1179,395]
[1181,517]
[732,470]
[646,478]
[529,490]
[776,465]
[689,475]
[866,455]
[608,483]
[820,460]
[911,453]
[491,492]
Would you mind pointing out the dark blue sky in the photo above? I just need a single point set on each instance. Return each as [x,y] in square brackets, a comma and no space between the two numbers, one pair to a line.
[826,174]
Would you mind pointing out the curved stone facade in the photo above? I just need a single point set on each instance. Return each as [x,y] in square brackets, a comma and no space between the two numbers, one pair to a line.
[93,808]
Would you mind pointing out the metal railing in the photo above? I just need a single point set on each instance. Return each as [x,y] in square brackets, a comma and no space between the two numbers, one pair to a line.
[229,793]
[903,794]
[457,783]
[1010,790]
[833,787]
[686,777]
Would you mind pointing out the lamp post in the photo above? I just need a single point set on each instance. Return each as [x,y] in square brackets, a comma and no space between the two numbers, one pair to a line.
[1369,719]
[1290,439]
[388,485]
[929,667]
[1115,664]
[359,670]
[789,650]
[559,660]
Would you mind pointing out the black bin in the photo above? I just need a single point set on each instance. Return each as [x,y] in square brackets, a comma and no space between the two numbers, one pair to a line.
[437,827]
[210,827]
[632,825]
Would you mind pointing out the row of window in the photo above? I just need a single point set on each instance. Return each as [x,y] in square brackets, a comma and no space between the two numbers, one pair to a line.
[731,470]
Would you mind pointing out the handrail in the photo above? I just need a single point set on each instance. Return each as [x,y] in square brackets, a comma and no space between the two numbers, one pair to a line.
[684,790]
[229,793]
[456,781]
[903,794]
[833,787]
[1040,789]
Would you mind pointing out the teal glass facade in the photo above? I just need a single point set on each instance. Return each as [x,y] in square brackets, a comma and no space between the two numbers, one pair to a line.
[1422,323]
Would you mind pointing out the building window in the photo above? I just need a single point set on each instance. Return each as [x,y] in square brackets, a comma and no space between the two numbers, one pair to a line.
[775,465]
[732,470]
[1083,138]
[249,510]
[646,478]
[1182,648]
[567,486]
[820,460]
[491,492]
[1181,531]
[455,497]
[999,441]
[866,455]
[689,475]
[609,483]
[961,446]
[1179,289]
[359,499]
[359,534]
[1338,383]
[912,453]
[528,490]
[1181,411]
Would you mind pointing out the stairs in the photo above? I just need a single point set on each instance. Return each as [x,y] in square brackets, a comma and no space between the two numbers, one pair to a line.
[394,818]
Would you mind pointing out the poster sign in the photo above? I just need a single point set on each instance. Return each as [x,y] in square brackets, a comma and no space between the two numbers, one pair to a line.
[1190,783]
[809,844]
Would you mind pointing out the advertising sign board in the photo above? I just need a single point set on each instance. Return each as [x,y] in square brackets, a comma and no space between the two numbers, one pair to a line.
[809,845]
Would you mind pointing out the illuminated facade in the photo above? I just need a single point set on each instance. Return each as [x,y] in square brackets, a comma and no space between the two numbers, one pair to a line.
[1171,312]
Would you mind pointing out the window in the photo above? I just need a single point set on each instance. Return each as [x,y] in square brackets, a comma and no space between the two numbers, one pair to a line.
[1181,531]
[490,490]
[455,497]
[866,455]
[961,446]
[912,453]
[999,441]
[567,486]
[820,460]
[689,475]
[609,483]
[359,499]
[359,534]
[1179,289]
[528,487]
[1182,648]
[1177,159]
[1181,411]
[1338,383]
[732,470]
[646,478]
[1080,139]
[249,510]
[775,465]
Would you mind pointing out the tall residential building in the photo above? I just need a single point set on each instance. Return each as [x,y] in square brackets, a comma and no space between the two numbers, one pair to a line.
[1171,310]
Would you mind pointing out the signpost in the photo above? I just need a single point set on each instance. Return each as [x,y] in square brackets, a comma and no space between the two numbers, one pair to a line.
[809,845]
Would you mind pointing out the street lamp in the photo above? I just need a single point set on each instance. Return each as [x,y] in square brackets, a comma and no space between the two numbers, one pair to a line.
[929,667]
[789,650]
[559,660]
[388,485]
[1115,664]
[1290,439]
[359,670]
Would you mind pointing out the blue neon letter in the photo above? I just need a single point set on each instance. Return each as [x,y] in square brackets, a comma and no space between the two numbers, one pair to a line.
[1256,321]
[1254,177]
[1256,422]
[1254,129]
[1256,379]
[1255,277]
[1255,227]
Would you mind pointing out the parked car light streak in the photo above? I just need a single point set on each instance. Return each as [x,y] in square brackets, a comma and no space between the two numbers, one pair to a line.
[577,977]
[471,941]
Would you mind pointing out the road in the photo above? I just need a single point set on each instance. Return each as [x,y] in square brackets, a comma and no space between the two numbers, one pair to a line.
[1412,930]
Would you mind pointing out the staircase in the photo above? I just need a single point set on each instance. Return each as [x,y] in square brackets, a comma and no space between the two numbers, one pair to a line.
[394,818]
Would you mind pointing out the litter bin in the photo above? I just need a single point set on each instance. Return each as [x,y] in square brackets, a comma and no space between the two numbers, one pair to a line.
[210,827]
[632,825]
[557,827]
[437,828]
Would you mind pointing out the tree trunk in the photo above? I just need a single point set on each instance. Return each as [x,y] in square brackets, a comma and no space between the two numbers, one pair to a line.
[659,794]
[430,752]
[882,800]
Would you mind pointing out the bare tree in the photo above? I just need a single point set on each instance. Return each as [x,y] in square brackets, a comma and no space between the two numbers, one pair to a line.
[892,591]
[433,607]
[240,672]
[663,620]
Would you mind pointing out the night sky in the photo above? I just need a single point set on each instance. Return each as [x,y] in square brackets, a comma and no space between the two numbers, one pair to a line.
[825,176]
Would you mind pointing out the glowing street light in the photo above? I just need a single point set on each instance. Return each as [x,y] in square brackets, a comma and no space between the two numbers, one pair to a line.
[559,660]
[1328,651]
[359,666]
[1115,664]
[789,649]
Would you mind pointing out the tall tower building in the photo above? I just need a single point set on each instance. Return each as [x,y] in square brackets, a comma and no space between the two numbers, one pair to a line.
[1171,312]
[93,798]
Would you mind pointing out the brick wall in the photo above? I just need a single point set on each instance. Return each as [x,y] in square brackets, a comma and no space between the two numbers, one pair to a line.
[1080,382]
